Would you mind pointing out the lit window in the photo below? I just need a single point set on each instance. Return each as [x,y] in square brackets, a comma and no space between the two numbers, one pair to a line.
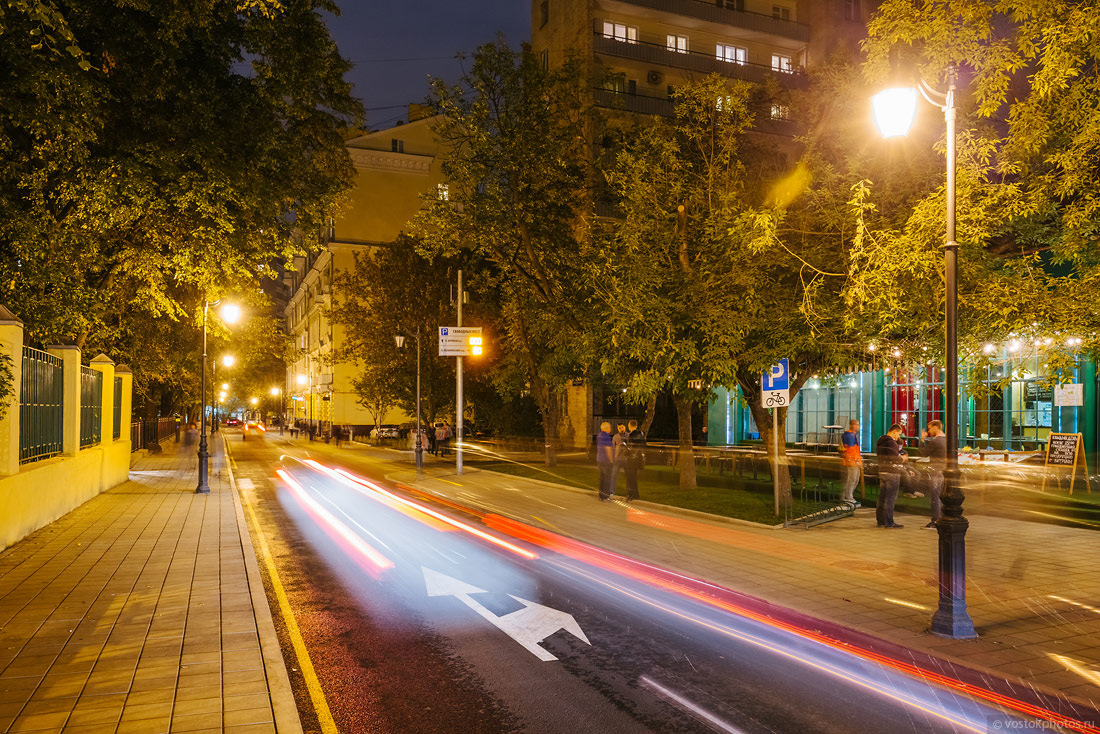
[782,63]
[781,12]
[781,112]
[732,54]
[725,102]
[443,191]
[679,44]
[620,32]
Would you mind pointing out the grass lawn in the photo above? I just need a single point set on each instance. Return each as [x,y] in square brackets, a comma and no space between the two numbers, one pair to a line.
[739,497]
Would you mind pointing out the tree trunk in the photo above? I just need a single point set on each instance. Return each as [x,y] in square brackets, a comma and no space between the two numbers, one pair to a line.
[650,412]
[550,415]
[687,456]
[778,462]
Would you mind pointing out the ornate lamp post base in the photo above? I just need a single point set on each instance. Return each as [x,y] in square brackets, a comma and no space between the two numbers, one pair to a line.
[951,619]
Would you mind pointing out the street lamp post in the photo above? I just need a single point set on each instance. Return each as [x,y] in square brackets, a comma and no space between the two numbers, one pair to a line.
[418,451]
[894,110]
[230,313]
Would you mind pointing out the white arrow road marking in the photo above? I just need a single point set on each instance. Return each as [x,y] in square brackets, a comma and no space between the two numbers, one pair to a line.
[528,626]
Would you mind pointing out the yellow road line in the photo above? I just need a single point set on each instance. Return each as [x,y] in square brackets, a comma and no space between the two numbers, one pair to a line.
[548,524]
[313,684]
[448,481]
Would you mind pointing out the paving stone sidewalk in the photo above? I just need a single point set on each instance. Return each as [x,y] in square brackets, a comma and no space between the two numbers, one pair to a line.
[142,612]
[1034,589]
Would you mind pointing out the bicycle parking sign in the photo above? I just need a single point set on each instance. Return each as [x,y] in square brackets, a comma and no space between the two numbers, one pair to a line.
[775,386]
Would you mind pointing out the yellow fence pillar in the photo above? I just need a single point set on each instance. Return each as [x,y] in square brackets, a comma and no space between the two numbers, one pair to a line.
[11,346]
[70,411]
[123,371]
[105,366]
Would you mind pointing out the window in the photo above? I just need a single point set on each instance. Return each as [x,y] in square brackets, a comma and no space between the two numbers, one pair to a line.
[851,9]
[443,191]
[397,146]
[620,32]
[631,86]
[782,63]
[724,102]
[671,91]
[679,44]
[781,112]
[544,13]
[781,12]
[732,54]
[544,59]
[731,4]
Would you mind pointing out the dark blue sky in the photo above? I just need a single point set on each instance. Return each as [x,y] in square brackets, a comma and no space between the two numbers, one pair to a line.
[397,44]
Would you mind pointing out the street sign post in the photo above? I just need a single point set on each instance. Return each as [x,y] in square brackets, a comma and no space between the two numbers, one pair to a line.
[454,341]
[775,393]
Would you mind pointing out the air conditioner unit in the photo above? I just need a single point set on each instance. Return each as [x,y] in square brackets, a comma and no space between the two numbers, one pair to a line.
[654,77]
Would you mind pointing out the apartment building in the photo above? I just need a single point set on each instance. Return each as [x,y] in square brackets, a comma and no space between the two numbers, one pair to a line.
[637,51]
[394,169]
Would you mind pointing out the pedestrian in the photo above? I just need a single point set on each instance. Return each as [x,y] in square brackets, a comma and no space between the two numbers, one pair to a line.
[635,459]
[448,434]
[852,461]
[618,455]
[605,460]
[441,439]
[890,460]
[433,445]
[935,448]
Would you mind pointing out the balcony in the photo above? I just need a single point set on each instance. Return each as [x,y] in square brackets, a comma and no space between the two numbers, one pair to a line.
[716,12]
[659,55]
[637,103]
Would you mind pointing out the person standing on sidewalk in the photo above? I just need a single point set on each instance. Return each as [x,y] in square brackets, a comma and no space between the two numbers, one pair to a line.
[852,461]
[635,459]
[890,459]
[605,461]
[618,455]
[935,448]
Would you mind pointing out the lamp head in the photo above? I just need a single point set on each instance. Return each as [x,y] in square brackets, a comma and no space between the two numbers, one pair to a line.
[399,340]
[894,110]
[229,360]
[275,391]
[231,313]
[254,401]
[301,379]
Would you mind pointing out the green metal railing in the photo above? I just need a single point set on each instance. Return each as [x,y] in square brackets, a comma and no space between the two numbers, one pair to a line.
[41,410]
[117,432]
[91,406]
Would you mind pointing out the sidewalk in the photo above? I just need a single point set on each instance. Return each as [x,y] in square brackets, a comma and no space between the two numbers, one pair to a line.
[139,612]
[1034,589]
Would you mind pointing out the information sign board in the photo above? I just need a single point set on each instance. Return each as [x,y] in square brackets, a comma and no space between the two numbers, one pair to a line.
[454,341]
[1069,394]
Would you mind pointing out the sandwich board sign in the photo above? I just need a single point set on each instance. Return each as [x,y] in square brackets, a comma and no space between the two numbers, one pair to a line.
[775,385]
[1067,449]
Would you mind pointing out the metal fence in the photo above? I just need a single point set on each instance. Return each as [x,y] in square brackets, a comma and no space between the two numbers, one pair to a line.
[143,433]
[91,406]
[116,431]
[41,398]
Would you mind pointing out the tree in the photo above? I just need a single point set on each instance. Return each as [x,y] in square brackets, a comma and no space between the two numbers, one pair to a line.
[517,165]
[174,151]
[393,290]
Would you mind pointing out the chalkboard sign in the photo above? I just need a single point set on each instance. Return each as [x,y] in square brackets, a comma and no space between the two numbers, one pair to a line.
[1062,449]
[1065,449]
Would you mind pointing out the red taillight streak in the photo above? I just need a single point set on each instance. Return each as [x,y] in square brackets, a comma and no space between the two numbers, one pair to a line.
[652,575]
[325,517]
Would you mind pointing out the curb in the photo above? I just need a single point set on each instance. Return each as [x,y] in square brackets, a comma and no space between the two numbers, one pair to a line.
[283,708]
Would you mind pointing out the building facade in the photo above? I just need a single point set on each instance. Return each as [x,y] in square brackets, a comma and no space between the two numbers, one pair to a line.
[1010,406]
[394,170]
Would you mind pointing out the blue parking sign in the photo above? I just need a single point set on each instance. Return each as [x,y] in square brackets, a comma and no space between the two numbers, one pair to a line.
[778,377]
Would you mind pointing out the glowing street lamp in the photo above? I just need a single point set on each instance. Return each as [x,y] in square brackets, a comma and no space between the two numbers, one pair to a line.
[254,401]
[225,386]
[229,360]
[894,110]
[301,379]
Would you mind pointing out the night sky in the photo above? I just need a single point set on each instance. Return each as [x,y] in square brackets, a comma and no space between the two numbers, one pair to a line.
[397,44]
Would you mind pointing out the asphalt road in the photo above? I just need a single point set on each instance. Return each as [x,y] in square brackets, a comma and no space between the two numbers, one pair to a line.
[414,624]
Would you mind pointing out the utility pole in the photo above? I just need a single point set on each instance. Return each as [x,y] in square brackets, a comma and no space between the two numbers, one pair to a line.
[458,387]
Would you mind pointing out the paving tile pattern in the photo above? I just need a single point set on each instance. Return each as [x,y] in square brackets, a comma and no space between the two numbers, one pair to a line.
[1033,589]
[132,613]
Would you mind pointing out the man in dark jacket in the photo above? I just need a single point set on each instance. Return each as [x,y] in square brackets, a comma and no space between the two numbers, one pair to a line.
[635,459]
[935,448]
[890,459]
